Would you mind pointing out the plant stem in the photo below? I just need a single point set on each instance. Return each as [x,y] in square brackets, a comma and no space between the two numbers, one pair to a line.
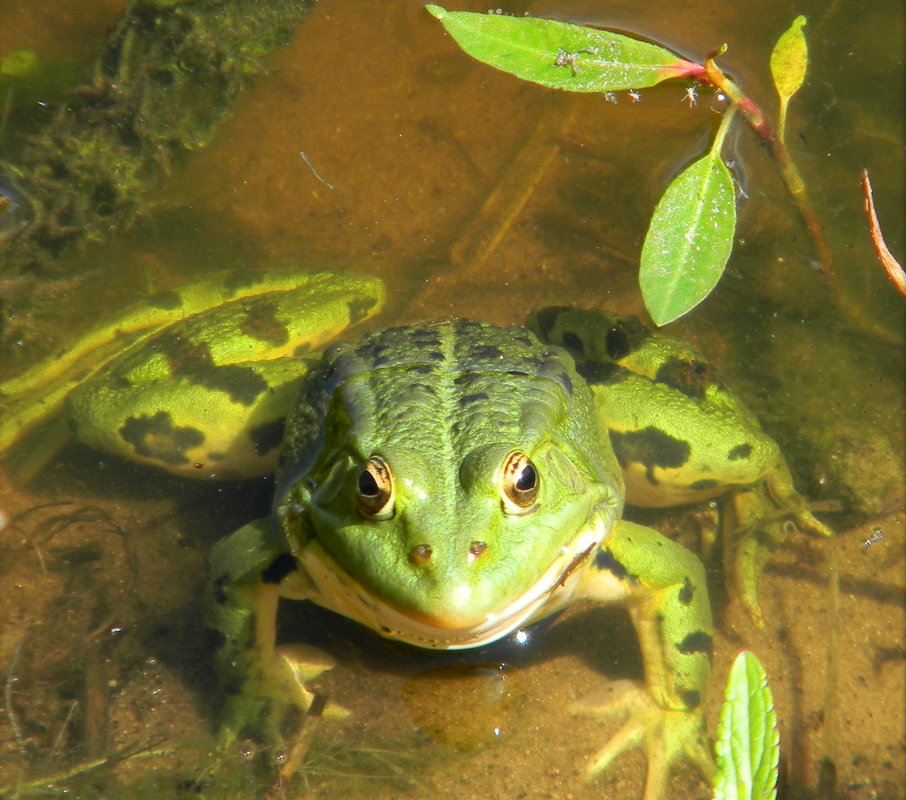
[712,75]
[758,122]
[721,134]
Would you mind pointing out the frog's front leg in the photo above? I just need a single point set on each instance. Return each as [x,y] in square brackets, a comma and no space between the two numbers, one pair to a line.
[263,686]
[663,586]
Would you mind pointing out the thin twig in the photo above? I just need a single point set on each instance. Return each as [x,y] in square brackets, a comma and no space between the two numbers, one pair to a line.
[58,739]
[314,172]
[890,264]
[8,697]
[49,780]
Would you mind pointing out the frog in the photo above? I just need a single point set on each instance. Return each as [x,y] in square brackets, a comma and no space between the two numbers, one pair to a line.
[445,484]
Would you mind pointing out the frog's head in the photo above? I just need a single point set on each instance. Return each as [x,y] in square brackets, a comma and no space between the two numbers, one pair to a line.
[449,529]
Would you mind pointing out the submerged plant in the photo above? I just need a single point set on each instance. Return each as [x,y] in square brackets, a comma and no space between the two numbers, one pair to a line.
[691,233]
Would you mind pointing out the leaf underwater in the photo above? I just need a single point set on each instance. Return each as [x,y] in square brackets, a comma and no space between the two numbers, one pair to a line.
[789,63]
[789,60]
[560,55]
[748,744]
[689,239]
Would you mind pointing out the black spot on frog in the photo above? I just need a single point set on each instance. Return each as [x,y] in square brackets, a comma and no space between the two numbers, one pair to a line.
[158,438]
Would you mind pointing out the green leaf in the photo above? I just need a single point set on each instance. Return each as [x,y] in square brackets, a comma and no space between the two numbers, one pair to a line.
[748,744]
[689,239]
[789,62]
[560,55]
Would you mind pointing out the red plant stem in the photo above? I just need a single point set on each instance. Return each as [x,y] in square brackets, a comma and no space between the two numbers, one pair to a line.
[712,75]
[757,121]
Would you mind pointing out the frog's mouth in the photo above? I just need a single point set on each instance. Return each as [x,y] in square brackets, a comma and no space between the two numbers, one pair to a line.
[337,590]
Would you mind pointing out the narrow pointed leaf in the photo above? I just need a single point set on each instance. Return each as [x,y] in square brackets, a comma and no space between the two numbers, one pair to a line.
[789,61]
[748,744]
[561,55]
[689,239]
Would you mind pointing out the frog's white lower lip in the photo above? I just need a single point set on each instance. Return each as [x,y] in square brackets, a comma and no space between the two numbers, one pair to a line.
[336,590]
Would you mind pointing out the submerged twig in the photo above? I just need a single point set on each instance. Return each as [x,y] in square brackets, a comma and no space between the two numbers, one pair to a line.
[8,697]
[291,760]
[831,732]
[46,781]
[58,739]
[891,265]
[503,205]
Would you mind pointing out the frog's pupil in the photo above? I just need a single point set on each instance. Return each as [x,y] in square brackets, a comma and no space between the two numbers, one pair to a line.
[367,484]
[527,479]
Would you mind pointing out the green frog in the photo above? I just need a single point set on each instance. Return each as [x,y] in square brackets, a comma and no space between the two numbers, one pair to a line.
[447,484]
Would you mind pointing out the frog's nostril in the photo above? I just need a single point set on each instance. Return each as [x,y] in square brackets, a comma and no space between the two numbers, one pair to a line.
[420,554]
[476,549]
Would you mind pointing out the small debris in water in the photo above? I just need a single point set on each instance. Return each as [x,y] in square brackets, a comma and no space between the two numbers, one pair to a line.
[876,535]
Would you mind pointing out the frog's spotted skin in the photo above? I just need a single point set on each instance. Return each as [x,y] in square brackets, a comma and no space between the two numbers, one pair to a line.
[196,382]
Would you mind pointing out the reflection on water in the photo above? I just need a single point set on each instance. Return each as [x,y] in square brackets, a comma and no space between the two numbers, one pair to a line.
[102,648]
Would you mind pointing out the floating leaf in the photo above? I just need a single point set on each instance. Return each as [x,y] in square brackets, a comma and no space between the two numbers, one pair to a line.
[789,62]
[560,55]
[689,239]
[748,745]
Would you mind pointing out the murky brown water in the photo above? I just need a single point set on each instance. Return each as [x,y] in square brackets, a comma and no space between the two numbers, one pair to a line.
[100,646]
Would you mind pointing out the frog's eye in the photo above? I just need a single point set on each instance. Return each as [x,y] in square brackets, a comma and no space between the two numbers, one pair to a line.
[521,482]
[374,489]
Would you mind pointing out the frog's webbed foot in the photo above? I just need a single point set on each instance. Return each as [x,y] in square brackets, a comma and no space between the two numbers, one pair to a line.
[758,520]
[665,735]
[272,698]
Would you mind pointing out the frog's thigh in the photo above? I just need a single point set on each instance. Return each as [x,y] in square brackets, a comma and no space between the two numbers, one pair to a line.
[228,425]
[675,449]
[663,586]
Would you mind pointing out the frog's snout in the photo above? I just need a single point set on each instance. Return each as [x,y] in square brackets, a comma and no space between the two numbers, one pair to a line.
[421,554]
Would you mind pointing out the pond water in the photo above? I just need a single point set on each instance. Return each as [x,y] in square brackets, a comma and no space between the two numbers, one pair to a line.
[369,143]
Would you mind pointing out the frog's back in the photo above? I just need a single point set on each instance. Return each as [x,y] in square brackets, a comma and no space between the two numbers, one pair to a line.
[443,387]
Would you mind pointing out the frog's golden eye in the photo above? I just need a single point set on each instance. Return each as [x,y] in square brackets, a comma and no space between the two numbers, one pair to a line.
[521,482]
[374,489]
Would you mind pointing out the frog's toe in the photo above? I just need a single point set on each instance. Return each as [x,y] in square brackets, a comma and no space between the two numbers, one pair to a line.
[748,558]
[305,663]
[762,518]
[268,705]
[665,735]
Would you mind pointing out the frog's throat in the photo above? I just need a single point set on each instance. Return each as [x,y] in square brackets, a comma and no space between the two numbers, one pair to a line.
[336,590]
